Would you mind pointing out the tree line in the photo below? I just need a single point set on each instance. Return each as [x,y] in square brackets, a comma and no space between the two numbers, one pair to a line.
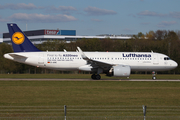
[161,41]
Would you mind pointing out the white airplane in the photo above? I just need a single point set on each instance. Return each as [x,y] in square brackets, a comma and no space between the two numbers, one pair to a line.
[119,64]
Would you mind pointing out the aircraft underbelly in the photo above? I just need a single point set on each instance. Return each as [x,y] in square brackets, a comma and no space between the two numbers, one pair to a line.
[149,68]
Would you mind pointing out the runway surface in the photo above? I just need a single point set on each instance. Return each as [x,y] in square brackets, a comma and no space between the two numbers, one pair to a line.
[10,79]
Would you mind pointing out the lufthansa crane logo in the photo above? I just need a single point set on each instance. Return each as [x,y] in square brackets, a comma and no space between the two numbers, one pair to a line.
[18,38]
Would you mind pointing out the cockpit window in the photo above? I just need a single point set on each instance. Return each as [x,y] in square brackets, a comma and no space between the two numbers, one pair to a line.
[167,58]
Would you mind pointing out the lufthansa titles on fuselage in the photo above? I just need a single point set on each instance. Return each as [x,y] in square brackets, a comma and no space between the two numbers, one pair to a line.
[136,55]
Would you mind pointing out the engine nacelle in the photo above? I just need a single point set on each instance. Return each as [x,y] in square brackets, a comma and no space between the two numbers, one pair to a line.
[121,71]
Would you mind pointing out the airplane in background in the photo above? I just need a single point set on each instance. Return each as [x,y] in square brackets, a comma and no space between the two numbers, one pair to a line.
[119,64]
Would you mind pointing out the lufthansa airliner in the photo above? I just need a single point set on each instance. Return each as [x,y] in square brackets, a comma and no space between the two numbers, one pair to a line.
[119,64]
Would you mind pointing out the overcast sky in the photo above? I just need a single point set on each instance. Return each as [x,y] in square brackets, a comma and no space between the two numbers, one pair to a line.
[92,17]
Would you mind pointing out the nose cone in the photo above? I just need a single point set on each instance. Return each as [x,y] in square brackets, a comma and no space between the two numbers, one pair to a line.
[174,64]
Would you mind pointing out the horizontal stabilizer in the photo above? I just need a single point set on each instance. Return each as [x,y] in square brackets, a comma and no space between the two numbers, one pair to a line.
[17,56]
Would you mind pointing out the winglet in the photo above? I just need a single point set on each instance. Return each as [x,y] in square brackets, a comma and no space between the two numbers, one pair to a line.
[82,54]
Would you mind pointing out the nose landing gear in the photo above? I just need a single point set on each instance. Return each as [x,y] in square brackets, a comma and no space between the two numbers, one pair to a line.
[153,75]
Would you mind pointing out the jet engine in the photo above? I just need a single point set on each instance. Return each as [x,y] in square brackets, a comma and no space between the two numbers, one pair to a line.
[121,71]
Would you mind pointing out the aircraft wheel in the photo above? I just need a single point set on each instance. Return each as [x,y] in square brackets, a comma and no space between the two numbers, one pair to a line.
[154,75]
[93,76]
[98,77]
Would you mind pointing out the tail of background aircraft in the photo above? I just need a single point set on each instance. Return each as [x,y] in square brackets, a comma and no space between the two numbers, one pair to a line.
[19,40]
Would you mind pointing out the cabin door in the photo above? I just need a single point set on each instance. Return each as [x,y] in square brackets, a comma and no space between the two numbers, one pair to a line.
[155,59]
[41,59]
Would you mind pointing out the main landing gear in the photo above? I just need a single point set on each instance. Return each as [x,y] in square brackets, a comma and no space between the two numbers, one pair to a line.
[153,75]
[95,76]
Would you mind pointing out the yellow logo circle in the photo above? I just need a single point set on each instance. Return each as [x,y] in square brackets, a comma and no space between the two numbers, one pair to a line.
[18,38]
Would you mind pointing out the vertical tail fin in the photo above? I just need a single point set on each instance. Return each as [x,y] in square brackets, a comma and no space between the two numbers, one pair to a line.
[19,40]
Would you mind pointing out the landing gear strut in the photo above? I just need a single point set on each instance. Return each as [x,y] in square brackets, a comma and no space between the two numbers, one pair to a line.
[95,77]
[153,75]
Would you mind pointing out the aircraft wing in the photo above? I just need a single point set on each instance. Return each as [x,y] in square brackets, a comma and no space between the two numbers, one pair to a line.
[94,63]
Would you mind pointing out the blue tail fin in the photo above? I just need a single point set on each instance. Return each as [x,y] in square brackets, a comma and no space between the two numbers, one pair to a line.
[19,40]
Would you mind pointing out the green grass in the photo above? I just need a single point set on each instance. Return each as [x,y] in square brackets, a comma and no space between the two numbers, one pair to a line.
[86,76]
[54,93]
[81,94]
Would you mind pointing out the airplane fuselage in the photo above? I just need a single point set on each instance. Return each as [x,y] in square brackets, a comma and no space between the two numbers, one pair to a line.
[138,61]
